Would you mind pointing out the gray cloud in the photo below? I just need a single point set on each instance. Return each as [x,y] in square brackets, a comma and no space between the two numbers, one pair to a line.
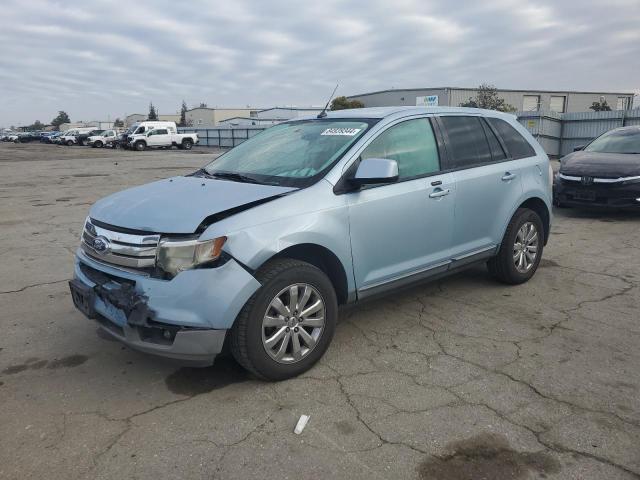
[99,58]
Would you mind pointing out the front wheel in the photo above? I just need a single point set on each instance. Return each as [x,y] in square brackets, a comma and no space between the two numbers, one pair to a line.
[288,324]
[69,143]
[140,146]
[98,144]
[521,249]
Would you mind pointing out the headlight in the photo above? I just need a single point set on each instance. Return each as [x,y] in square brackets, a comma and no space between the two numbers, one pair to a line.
[174,256]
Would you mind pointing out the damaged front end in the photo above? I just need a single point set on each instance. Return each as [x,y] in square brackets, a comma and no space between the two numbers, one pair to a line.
[185,318]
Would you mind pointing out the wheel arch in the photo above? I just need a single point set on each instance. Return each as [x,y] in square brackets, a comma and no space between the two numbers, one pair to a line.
[324,259]
[540,207]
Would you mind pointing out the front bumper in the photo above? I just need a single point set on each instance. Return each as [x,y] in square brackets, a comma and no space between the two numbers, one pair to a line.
[572,193]
[185,318]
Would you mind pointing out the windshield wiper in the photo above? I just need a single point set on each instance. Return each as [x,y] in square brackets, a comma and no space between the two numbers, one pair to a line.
[234,177]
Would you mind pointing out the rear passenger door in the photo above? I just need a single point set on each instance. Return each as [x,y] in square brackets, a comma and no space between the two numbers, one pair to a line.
[488,184]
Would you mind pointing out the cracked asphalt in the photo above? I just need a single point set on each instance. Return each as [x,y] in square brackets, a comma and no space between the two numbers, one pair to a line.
[460,379]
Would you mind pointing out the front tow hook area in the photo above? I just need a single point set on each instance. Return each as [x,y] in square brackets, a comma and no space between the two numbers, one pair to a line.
[125,298]
[122,296]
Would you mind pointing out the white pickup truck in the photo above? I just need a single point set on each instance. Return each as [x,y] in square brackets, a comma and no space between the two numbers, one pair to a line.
[161,135]
[104,138]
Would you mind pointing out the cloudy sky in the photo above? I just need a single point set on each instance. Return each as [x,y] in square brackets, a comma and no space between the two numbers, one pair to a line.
[101,59]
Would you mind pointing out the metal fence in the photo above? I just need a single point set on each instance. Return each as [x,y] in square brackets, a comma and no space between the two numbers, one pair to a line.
[558,133]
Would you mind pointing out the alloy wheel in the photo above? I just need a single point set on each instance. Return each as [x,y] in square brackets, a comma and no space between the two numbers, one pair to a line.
[293,323]
[525,248]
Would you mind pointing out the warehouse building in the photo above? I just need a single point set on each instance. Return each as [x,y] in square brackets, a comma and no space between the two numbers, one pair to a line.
[140,117]
[287,113]
[203,117]
[560,101]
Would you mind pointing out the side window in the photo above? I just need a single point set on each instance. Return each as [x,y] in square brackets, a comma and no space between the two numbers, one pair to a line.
[496,149]
[141,130]
[162,131]
[411,144]
[468,146]
[516,144]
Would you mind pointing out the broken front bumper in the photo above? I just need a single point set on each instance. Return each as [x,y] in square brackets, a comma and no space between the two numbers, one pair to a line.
[185,318]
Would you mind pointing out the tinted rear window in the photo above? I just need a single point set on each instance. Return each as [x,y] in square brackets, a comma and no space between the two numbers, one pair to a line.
[496,149]
[516,144]
[467,142]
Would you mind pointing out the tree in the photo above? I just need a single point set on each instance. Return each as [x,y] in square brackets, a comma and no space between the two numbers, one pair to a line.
[118,123]
[202,105]
[601,106]
[342,103]
[183,115]
[152,112]
[60,119]
[37,125]
[487,97]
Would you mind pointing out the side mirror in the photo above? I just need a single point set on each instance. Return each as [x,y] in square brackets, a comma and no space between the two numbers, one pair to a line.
[373,171]
[578,148]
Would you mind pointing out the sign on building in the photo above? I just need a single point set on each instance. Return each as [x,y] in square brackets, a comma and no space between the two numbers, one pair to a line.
[427,101]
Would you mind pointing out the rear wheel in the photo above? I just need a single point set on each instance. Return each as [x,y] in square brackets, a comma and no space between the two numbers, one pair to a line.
[521,248]
[187,144]
[287,325]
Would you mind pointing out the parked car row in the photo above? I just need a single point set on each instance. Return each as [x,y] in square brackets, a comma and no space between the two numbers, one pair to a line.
[140,136]
[21,137]
[152,134]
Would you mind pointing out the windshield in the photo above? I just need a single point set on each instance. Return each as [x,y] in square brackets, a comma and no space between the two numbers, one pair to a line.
[292,153]
[617,141]
[131,129]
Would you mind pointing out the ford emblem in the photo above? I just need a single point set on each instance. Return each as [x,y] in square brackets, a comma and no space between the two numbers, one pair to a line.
[101,245]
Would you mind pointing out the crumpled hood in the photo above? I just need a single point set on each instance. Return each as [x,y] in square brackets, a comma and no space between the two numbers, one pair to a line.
[178,204]
[604,165]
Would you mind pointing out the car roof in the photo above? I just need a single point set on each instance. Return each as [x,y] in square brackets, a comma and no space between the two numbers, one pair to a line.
[398,112]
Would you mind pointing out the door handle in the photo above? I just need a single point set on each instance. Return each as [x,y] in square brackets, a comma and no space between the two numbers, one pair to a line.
[439,193]
[508,176]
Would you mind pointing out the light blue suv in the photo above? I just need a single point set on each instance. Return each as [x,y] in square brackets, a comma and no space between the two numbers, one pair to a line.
[257,250]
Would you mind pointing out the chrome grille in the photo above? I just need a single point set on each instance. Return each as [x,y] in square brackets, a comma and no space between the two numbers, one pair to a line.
[117,248]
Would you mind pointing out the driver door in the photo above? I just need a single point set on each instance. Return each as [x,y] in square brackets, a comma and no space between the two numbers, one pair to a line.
[402,231]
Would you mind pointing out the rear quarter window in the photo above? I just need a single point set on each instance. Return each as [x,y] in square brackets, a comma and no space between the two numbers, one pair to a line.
[516,144]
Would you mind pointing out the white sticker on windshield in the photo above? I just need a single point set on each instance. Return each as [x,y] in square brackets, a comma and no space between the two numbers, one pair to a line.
[347,132]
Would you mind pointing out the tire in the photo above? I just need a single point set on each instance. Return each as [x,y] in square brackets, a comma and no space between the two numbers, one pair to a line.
[187,144]
[98,144]
[139,146]
[69,143]
[248,334]
[503,266]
